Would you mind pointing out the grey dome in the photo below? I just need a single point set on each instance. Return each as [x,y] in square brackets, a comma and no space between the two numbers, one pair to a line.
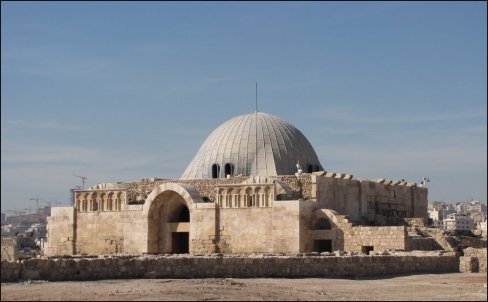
[232,147]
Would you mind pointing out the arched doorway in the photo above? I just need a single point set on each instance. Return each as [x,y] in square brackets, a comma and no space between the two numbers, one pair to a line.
[168,224]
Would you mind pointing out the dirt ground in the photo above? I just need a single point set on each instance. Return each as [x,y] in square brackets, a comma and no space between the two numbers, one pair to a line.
[454,287]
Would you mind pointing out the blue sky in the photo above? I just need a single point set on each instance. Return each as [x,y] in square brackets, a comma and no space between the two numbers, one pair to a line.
[119,91]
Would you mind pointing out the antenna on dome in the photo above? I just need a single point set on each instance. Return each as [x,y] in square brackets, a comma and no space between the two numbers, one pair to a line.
[256,96]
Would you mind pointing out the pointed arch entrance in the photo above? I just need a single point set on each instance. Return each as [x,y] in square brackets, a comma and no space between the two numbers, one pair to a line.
[168,210]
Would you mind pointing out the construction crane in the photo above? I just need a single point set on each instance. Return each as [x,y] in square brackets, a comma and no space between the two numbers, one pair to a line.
[37,201]
[82,181]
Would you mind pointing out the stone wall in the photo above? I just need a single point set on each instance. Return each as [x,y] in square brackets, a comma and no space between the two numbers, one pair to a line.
[206,187]
[250,229]
[419,243]
[383,202]
[99,232]
[9,249]
[379,238]
[238,221]
[218,266]
[61,231]
[245,230]
[474,260]
[346,236]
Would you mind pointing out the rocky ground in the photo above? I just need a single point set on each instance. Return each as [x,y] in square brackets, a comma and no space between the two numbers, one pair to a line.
[442,287]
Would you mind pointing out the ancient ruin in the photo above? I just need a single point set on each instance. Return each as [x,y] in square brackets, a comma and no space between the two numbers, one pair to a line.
[255,186]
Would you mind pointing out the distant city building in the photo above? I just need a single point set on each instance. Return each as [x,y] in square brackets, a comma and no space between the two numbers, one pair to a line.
[475,206]
[438,216]
[474,209]
[24,236]
[458,222]
[438,210]
[461,208]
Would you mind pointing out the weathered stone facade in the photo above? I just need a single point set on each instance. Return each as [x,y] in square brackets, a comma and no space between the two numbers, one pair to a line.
[237,215]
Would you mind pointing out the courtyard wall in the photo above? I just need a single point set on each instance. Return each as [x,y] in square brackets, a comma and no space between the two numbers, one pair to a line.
[219,266]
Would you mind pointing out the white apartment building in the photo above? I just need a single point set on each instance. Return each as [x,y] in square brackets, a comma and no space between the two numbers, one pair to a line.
[438,215]
[458,222]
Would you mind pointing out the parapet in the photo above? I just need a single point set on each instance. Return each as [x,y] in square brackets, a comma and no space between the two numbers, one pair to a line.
[395,182]
[333,174]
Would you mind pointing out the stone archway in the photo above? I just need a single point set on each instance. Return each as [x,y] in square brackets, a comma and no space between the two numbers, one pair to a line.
[168,210]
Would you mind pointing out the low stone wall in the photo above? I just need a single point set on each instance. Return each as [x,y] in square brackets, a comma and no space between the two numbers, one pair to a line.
[474,260]
[218,266]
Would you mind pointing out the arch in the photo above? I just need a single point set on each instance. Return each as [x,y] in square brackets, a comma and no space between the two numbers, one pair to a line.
[179,214]
[220,195]
[118,201]
[248,197]
[322,224]
[257,196]
[84,205]
[215,171]
[310,169]
[102,202]
[93,202]
[266,195]
[168,210]
[228,169]
[110,201]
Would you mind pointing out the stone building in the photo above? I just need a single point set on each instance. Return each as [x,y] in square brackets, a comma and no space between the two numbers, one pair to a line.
[255,186]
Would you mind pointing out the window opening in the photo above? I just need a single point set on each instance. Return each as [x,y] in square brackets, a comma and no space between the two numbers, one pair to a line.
[229,169]
[215,171]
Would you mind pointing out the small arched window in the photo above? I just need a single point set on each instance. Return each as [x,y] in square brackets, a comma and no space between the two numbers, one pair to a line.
[310,169]
[229,169]
[317,168]
[215,171]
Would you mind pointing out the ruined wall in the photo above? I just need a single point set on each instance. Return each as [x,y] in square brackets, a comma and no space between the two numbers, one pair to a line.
[419,243]
[474,260]
[135,230]
[138,190]
[245,230]
[249,229]
[345,236]
[285,226]
[258,266]
[61,231]
[341,195]
[99,232]
[383,202]
[9,249]
[203,229]
[380,238]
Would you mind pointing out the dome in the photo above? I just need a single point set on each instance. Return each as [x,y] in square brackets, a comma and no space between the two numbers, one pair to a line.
[253,144]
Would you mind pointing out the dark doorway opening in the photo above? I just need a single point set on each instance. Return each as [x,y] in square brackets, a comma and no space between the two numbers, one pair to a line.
[365,249]
[322,246]
[180,243]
